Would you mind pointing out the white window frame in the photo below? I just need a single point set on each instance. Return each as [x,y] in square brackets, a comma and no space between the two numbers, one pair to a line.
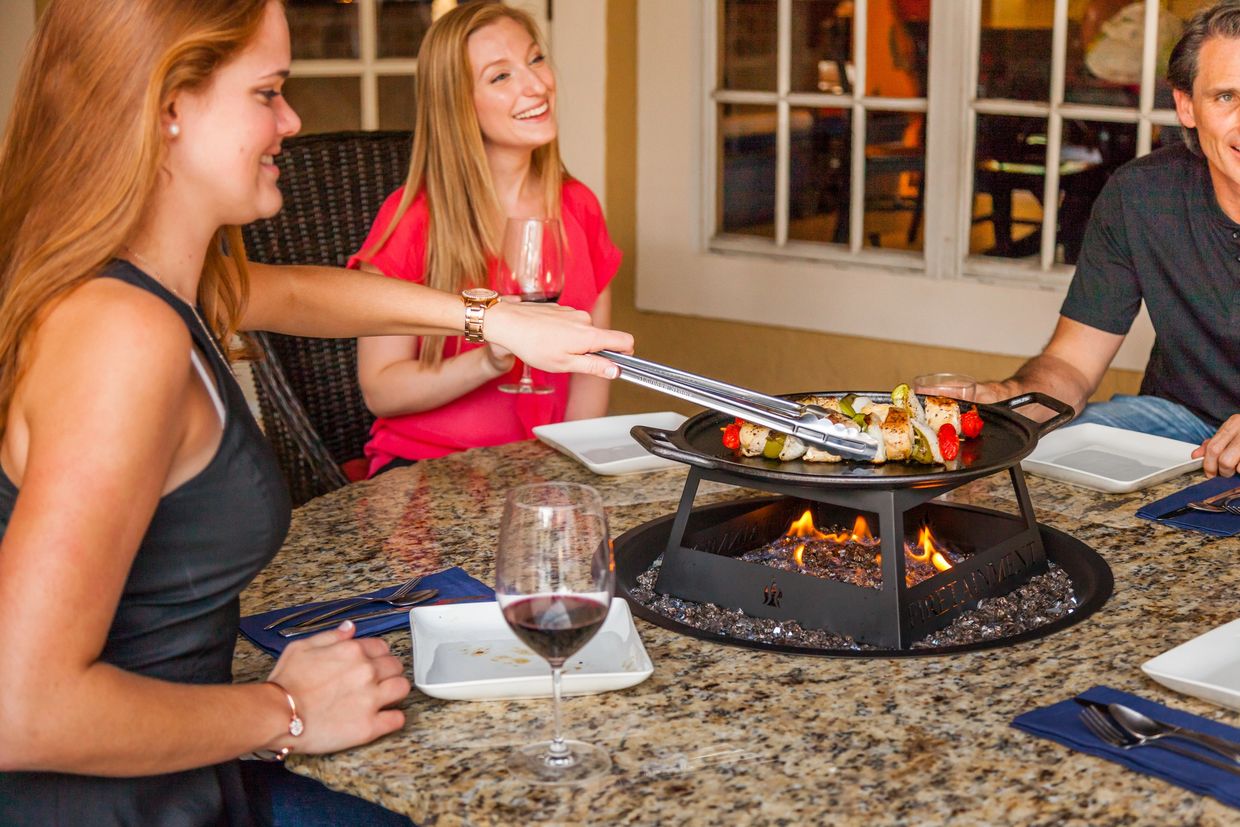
[943,299]
[368,67]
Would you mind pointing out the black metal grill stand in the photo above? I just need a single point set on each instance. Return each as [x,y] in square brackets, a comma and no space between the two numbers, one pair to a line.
[700,562]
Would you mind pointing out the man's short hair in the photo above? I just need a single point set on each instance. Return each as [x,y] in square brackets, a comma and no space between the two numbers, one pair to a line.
[1220,20]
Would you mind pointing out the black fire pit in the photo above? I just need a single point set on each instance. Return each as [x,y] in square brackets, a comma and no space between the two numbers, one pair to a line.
[702,549]
[638,549]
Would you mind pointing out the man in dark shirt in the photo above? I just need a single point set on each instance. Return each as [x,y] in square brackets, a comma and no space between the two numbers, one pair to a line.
[1166,230]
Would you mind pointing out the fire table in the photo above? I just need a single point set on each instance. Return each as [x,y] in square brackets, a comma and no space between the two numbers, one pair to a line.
[723,735]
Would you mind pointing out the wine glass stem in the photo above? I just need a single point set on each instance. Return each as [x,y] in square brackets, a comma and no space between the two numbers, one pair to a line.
[558,751]
[527,379]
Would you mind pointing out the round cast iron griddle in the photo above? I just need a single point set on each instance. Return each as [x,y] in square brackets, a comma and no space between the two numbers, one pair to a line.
[1092,583]
[1006,439]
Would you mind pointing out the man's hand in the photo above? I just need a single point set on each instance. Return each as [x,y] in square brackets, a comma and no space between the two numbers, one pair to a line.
[1220,454]
[1069,369]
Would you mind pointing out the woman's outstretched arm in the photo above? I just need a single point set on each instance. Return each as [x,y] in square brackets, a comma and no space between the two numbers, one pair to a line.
[325,301]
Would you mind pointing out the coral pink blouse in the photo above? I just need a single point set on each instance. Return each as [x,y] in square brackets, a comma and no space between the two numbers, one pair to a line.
[486,416]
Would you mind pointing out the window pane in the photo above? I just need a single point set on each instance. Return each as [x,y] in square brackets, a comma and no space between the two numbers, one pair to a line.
[396,101]
[402,23]
[1091,151]
[1010,168]
[822,46]
[1180,11]
[1015,55]
[326,104]
[895,164]
[747,197]
[819,174]
[898,40]
[1165,136]
[897,48]
[1105,41]
[322,29]
[748,37]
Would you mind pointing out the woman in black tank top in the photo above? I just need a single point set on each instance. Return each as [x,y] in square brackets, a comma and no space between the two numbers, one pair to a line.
[134,485]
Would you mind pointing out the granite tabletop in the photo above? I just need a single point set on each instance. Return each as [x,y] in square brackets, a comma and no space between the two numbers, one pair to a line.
[726,735]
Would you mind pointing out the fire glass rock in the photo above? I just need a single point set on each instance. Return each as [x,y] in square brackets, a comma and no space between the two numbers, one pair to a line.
[1044,599]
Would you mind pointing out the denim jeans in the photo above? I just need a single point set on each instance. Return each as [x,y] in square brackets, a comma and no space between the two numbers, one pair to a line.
[1149,415]
[279,798]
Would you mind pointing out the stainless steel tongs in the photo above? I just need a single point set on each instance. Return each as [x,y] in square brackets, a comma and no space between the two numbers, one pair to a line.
[808,423]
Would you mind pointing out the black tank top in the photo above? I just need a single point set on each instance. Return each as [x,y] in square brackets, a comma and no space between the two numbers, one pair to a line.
[178,614]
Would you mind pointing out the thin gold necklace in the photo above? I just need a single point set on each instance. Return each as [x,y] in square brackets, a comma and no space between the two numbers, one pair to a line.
[193,308]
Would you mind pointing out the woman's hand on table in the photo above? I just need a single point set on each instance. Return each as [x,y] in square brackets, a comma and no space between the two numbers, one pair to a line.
[342,686]
[554,338]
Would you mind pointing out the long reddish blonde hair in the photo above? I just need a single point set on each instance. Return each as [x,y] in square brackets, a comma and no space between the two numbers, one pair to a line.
[450,163]
[83,149]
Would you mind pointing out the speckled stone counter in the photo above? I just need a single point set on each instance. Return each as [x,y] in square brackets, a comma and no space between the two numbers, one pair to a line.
[724,735]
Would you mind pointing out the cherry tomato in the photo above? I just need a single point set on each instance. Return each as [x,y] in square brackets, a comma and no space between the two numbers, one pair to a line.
[732,436]
[949,443]
[971,423]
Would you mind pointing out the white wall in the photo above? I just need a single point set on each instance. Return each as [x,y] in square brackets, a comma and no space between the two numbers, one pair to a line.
[579,50]
[18,17]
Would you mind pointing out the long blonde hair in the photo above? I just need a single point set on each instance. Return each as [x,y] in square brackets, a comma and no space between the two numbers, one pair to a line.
[449,162]
[83,149]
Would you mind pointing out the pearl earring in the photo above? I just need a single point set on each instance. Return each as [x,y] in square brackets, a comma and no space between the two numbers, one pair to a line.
[174,130]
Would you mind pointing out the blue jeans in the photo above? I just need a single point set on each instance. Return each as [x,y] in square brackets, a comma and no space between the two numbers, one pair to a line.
[279,798]
[1149,415]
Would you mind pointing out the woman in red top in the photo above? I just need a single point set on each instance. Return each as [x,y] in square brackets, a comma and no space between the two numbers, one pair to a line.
[484,149]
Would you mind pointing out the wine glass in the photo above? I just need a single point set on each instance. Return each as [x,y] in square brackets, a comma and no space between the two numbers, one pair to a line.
[954,385]
[533,268]
[553,582]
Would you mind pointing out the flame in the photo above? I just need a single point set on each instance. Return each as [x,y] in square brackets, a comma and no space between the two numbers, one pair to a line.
[928,549]
[803,528]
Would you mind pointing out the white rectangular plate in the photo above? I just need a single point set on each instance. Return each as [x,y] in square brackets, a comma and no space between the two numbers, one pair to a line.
[604,446]
[466,652]
[1208,666]
[1109,459]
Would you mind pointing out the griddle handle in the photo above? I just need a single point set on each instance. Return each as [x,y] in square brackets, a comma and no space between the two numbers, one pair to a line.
[1063,411]
[657,441]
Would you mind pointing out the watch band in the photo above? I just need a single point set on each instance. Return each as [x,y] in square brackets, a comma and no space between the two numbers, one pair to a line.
[477,301]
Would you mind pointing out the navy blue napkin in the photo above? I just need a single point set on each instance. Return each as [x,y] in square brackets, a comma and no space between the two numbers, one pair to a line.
[1220,525]
[454,586]
[1062,722]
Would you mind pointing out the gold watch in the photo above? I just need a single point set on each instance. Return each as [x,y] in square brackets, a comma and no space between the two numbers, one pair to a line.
[477,300]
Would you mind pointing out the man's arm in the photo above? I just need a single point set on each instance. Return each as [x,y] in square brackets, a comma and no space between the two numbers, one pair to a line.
[1069,368]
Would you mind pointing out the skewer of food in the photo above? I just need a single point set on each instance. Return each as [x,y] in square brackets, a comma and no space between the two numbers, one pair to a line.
[907,428]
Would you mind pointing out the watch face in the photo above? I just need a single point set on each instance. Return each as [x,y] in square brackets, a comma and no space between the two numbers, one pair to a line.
[479,294]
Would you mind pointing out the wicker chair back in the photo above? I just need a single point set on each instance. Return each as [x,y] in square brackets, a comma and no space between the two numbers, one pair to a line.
[312,407]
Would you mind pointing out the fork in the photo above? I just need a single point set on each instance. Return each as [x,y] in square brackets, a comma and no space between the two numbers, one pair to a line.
[1103,726]
[403,591]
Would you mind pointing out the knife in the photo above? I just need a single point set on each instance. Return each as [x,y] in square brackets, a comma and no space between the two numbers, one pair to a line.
[1184,509]
[297,631]
[387,611]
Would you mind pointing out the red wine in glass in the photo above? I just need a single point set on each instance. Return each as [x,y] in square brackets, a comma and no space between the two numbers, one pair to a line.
[555,625]
[554,577]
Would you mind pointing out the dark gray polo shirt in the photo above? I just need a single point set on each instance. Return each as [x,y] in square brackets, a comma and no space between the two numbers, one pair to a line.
[1157,233]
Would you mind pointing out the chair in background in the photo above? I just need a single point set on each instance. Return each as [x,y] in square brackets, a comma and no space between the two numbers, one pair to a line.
[311,405]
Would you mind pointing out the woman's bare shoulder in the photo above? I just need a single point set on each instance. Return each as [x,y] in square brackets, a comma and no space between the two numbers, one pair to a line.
[104,327]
